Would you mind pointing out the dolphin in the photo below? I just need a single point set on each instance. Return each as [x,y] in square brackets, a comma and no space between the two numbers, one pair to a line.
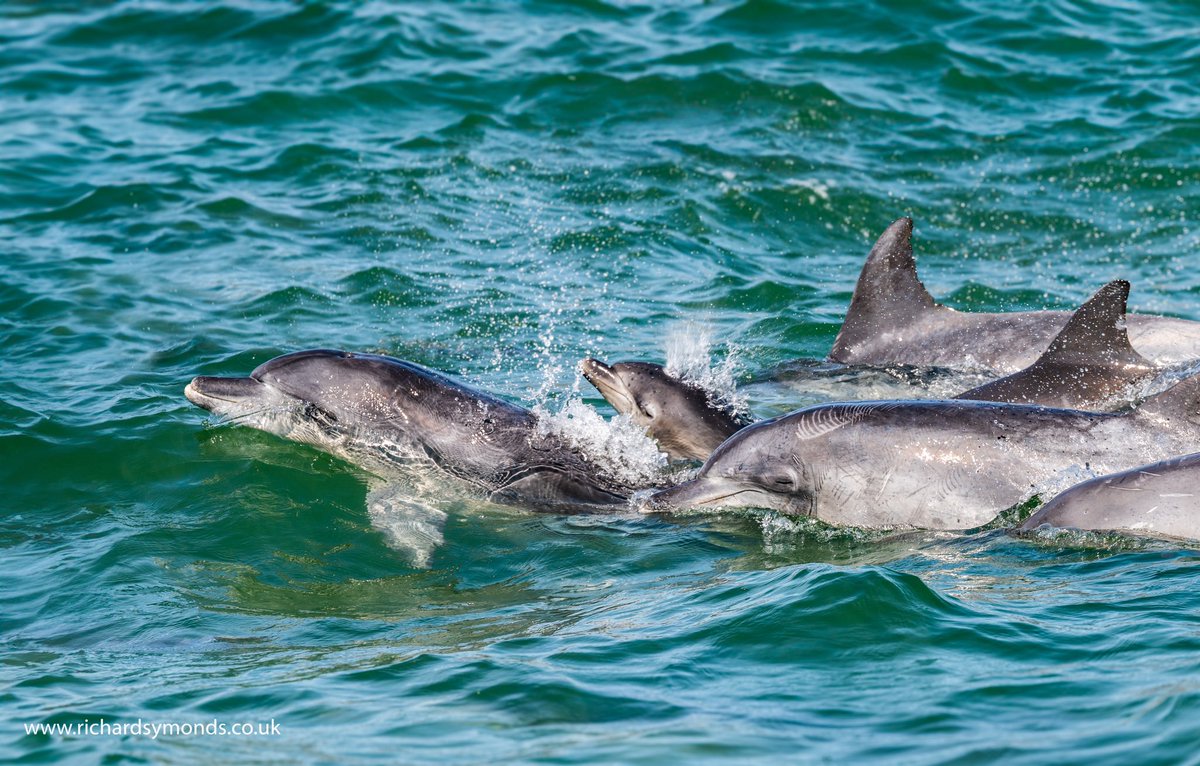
[1160,500]
[681,417]
[386,414]
[1088,364]
[928,464]
[893,319]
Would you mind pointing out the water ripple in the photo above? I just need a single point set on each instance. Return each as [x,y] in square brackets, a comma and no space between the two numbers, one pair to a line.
[498,191]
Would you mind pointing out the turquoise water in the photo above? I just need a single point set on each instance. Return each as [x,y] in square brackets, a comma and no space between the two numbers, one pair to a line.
[498,190]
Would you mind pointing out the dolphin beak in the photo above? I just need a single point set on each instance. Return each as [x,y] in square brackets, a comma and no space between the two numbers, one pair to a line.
[595,370]
[608,383]
[699,491]
[705,491]
[213,393]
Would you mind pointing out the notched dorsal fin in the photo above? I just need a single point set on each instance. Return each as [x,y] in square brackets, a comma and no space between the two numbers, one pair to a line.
[1096,334]
[888,293]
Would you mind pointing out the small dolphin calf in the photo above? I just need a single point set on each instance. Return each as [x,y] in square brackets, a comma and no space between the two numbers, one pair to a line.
[1161,499]
[383,412]
[681,417]
[894,320]
[927,464]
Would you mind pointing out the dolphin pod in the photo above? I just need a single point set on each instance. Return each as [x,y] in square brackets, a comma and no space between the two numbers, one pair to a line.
[934,464]
[928,464]
[1089,363]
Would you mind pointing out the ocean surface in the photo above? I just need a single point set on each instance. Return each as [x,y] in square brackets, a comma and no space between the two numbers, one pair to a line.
[497,190]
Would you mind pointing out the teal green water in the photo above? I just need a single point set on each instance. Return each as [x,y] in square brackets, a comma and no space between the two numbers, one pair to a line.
[497,190]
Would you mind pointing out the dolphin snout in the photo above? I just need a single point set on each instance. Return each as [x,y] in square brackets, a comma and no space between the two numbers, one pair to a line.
[594,370]
[604,378]
[697,492]
[717,492]
[610,385]
[208,392]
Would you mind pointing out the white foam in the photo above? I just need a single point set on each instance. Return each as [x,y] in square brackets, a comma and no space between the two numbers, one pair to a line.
[617,447]
[411,526]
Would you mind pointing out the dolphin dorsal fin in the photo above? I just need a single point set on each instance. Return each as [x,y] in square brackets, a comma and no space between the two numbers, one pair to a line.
[1069,373]
[1095,334]
[888,293]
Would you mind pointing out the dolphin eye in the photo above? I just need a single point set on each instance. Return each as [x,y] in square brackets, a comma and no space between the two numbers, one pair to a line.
[645,410]
[783,480]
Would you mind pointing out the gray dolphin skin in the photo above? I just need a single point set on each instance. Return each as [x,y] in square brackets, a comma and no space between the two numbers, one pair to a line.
[1089,364]
[1159,500]
[378,411]
[927,464]
[679,416]
[893,319]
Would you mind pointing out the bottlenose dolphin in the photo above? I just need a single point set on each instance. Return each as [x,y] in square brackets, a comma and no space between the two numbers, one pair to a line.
[384,413]
[928,464]
[1089,363]
[1160,499]
[681,417]
[893,319]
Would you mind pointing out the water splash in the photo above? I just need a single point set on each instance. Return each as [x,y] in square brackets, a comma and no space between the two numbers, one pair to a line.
[617,447]
[1139,392]
[689,351]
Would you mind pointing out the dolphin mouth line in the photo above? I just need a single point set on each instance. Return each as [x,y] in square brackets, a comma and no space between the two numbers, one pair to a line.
[703,502]
[206,391]
[193,393]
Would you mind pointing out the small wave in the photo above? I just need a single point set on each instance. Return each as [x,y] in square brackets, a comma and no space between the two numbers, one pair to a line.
[108,202]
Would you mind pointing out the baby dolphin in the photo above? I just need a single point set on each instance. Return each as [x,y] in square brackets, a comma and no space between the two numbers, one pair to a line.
[1160,499]
[381,412]
[681,417]
[893,319]
[927,464]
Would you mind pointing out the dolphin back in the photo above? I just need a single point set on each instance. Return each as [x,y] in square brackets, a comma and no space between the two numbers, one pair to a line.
[1087,363]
